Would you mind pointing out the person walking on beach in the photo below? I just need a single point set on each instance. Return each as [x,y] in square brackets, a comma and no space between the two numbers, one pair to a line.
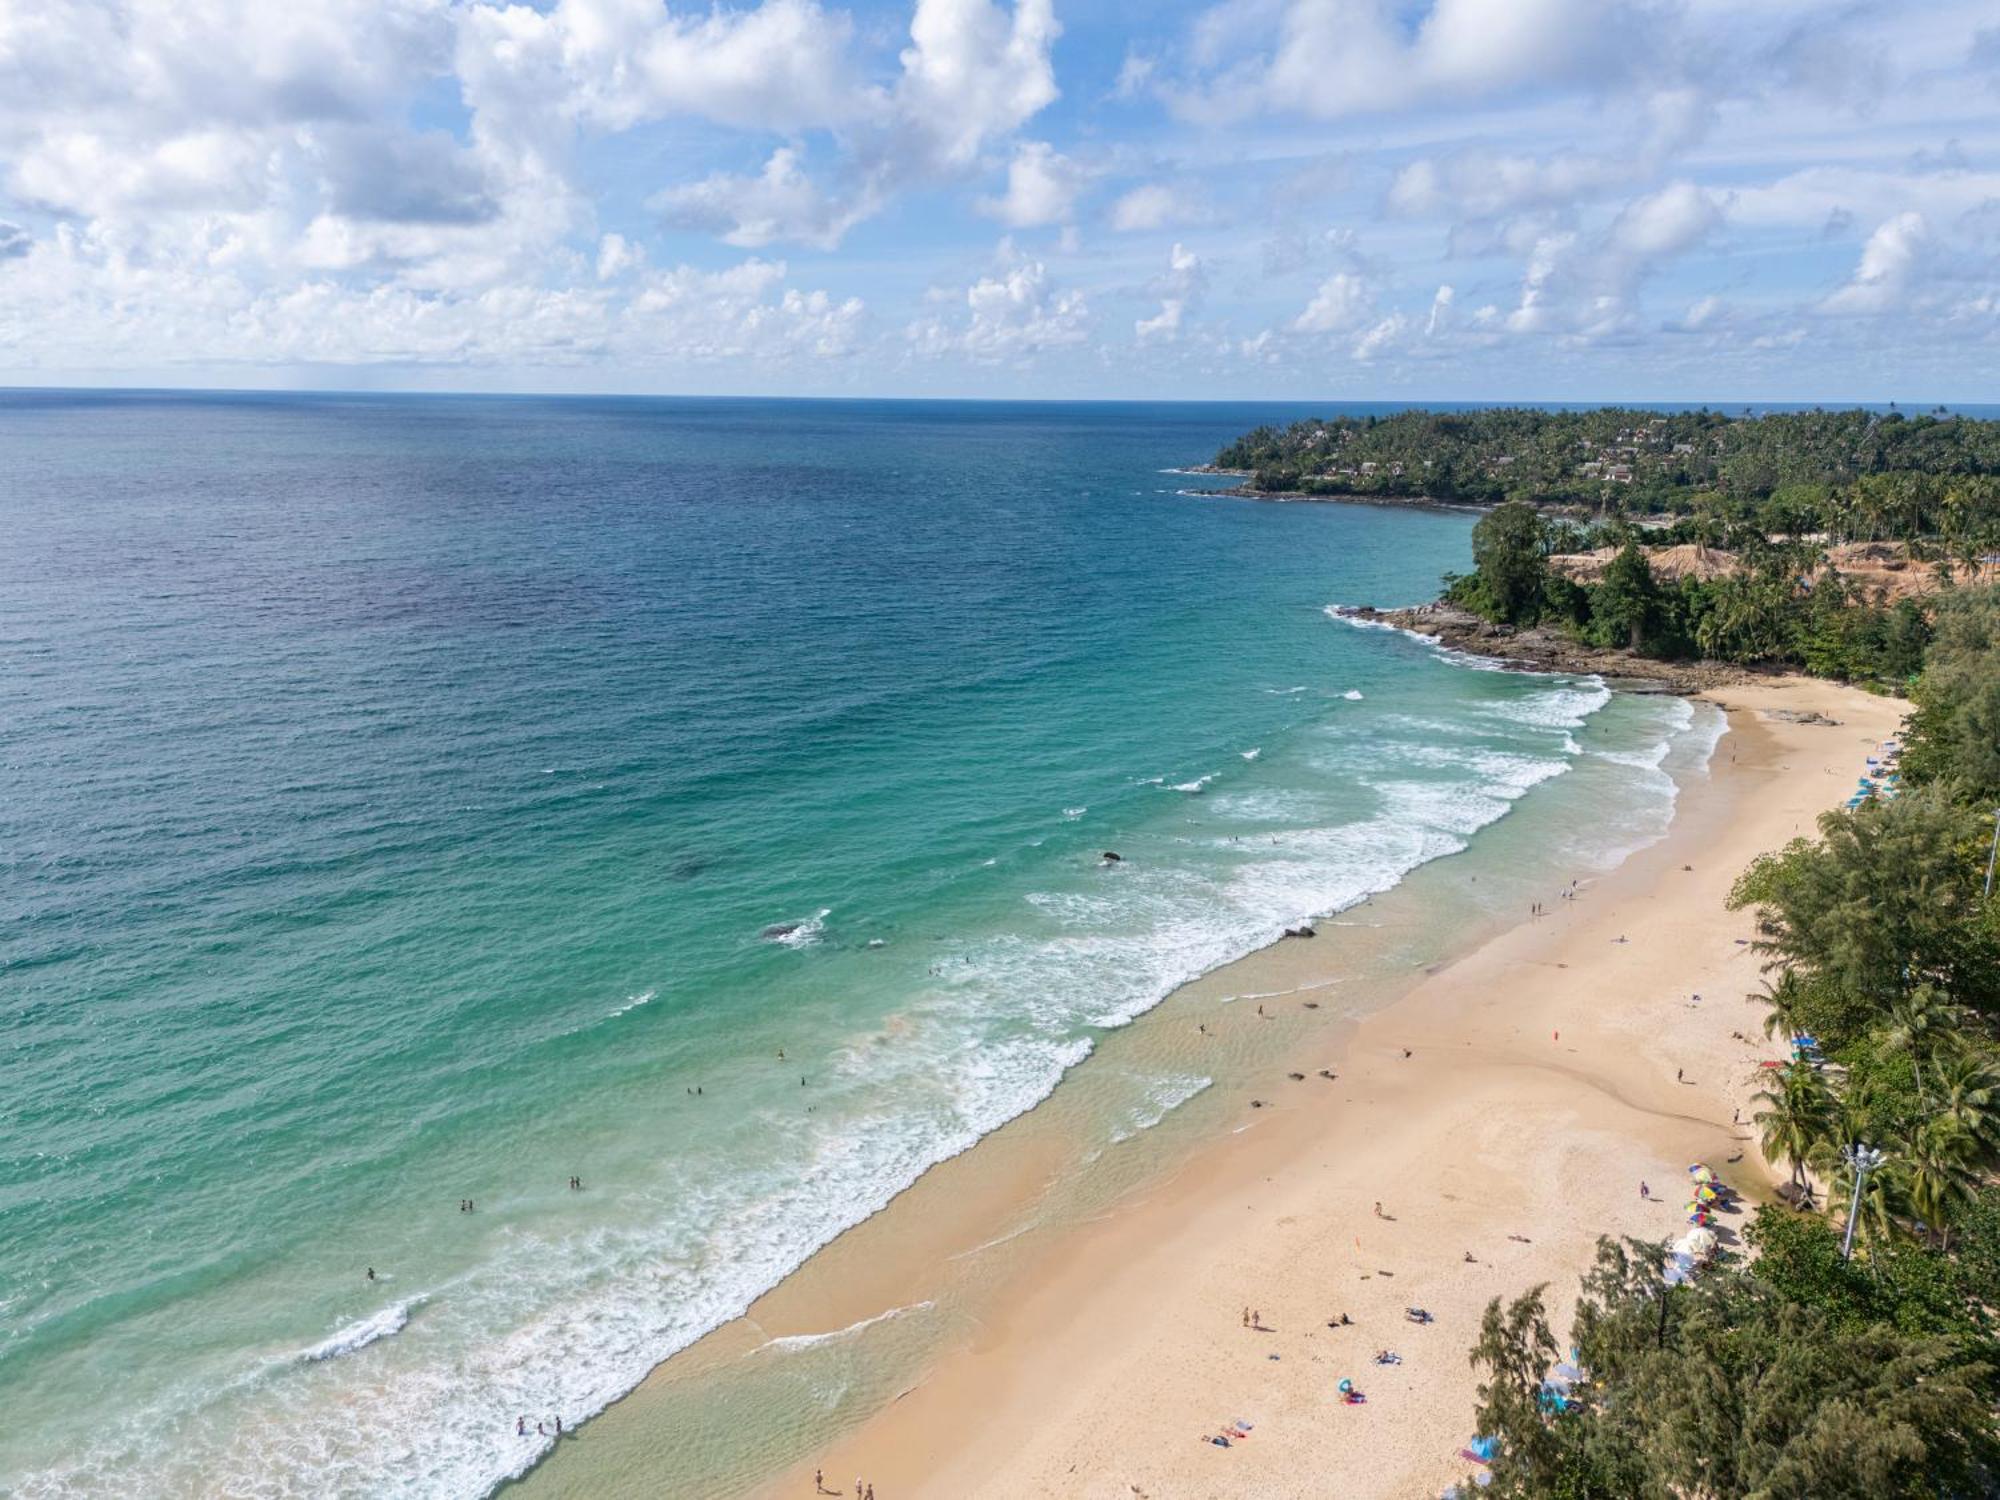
[819,1482]
[1644,1191]
[520,1426]
[1680,1075]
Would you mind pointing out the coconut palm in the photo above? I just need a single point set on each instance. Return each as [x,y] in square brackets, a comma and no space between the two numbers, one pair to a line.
[1782,1020]
[1921,1025]
[1937,1171]
[1969,1096]
[1796,1122]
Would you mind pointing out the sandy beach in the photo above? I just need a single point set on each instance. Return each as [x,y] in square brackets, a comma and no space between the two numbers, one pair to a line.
[1502,1115]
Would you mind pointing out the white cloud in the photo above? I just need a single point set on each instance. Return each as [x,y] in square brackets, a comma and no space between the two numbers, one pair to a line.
[1482,183]
[1665,223]
[1341,302]
[1011,314]
[616,255]
[1381,337]
[1134,74]
[1881,282]
[1150,206]
[779,203]
[611,64]
[974,71]
[1180,291]
[1334,58]
[1440,314]
[65,303]
[1042,188]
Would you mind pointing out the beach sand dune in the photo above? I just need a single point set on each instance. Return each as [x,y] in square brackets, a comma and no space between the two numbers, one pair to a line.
[1540,1088]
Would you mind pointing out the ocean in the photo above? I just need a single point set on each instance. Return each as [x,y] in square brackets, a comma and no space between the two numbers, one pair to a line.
[414,802]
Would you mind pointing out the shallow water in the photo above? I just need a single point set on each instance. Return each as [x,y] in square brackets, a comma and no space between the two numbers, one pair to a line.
[414,800]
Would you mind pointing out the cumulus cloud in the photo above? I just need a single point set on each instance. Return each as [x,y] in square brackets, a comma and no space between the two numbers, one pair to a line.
[65,299]
[612,64]
[1334,58]
[779,203]
[1010,314]
[1042,188]
[1341,302]
[1665,223]
[1881,283]
[974,71]
[1179,291]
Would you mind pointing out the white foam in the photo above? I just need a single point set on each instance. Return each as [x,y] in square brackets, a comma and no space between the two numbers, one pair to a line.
[390,1321]
[1352,695]
[1163,1097]
[1192,787]
[1073,813]
[1254,753]
[800,934]
[632,1002]
[795,1341]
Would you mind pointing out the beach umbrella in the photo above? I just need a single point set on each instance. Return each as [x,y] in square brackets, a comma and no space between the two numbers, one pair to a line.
[1345,1386]
[1700,1241]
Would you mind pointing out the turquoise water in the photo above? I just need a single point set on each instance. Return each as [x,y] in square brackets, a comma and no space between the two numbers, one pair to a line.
[414,800]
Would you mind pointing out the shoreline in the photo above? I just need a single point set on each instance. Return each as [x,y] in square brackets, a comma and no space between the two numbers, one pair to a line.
[1107,1354]
[1542,648]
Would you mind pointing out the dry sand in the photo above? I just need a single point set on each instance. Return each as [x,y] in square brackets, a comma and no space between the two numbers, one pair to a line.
[1539,1091]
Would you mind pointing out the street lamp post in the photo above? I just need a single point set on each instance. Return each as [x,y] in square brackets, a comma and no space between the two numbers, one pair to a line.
[1863,1159]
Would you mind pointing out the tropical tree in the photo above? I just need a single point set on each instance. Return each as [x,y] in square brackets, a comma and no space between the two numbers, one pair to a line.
[1508,551]
[1886,899]
[1798,1115]
[1939,1172]
[1727,1387]
[1919,1026]
[1969,1096]
[1625,607]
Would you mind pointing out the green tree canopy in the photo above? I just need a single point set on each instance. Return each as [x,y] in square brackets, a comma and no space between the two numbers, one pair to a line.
[1887,898]
[1724,1387]
[1508,552]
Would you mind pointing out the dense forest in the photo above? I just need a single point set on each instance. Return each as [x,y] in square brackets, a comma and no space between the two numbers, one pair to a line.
[1853,475]
[1795,1370]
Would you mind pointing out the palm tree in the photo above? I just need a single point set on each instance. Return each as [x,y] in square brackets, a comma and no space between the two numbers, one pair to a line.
[1797,1120]
[1938,1172]
[1921,1024]
[1782,1020]
[1969,1096]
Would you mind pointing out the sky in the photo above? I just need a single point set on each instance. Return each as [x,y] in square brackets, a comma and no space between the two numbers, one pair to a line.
[1256,199]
